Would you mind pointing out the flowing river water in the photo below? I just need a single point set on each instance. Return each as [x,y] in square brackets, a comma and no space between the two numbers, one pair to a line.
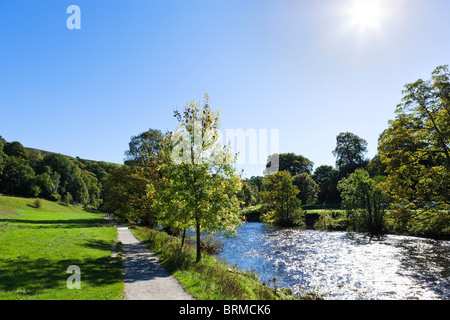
[342,265]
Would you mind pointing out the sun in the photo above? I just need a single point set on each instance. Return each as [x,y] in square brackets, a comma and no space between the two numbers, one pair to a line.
[366,14]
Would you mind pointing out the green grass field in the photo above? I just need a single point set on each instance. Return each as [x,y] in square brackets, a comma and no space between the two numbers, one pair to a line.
[37,245]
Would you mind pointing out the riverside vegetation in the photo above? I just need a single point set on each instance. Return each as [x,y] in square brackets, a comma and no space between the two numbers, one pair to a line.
[185,179]
[209,279]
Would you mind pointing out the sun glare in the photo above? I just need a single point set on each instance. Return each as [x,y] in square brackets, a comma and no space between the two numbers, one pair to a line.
[366,14]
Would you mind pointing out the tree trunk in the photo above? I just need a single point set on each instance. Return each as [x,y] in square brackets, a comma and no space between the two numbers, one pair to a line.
[199,251]
[183,238]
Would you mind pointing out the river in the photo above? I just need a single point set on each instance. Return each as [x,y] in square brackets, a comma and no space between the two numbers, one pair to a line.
[342,265]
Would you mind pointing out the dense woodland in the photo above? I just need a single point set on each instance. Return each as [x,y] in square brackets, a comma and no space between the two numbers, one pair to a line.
[405,188]
[34,173]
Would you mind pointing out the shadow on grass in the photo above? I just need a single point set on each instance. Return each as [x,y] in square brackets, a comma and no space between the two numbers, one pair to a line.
[69,223]
[31,277]
[98,245]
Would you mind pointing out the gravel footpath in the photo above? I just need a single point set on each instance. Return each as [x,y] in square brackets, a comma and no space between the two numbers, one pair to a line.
[144,276]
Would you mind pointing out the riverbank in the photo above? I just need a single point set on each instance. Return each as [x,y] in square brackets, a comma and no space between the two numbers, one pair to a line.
[436,226]
[407,223]
[210,279]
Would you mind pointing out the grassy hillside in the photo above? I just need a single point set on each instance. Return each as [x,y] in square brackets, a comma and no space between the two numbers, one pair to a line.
[39,152]
[16,205]
[39,244]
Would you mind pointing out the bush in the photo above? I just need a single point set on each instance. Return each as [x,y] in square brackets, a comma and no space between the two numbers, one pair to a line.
[431,223]
[38,203]
[55,197]
[331,220]
[210,245]
[68,199]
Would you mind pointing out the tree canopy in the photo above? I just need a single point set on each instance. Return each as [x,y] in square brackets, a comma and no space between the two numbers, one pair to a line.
[32,173]
[294,164]
[364,202]
[145,148]
[415,147]
[350,150]
[200,184]
[308,188]
[279,200]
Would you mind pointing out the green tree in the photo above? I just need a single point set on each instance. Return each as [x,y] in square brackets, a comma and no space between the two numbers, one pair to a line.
[45,183]
[248,194]
[327,178]
[18,178]
[256,181]
[199,178]
[77,188]
[15,149]
[34,158]
[279,200]
[56,177]
[292,163]
[308,188]
[145,148]
[375,167]
[3,157]
[93,188]
[68,199]
[364,202]
[63,167]
[130,193]
[2,142]
[415,147]
[349,152]
[68,177]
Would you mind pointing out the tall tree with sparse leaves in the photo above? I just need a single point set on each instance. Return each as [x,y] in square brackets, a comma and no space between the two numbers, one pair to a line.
[199,182]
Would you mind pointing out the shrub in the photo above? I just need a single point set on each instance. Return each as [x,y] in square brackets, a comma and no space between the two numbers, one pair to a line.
[38,203]
[55,197]
[210,245]
[68,199]
[331,220]
[432,222]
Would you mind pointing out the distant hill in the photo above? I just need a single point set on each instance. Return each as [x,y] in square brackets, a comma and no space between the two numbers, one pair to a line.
[37,173]
[44,152]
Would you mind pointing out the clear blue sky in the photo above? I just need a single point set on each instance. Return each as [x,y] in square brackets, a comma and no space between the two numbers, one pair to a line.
[311,69]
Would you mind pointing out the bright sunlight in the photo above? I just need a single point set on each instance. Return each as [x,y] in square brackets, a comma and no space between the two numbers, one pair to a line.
[367,14]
